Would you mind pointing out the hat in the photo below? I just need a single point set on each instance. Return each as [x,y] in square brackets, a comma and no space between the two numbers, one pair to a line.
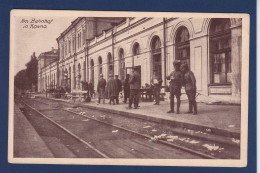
[176,62]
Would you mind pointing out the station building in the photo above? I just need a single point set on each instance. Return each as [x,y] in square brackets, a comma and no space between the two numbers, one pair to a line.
[91,46]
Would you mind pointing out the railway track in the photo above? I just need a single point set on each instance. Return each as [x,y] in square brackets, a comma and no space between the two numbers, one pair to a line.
[114,141]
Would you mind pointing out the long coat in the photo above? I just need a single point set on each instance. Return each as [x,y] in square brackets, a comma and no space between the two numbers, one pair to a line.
[135,81]
[112,88]
[127,88]
[101,88]
[119,84]
[176,78]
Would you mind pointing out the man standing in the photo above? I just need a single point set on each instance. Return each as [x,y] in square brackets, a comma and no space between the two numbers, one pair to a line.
[135,85]
[126,88]
[175,78]
[112,89]
[119,87]
[156,82]
[190,87]
[91,89]
[101,88]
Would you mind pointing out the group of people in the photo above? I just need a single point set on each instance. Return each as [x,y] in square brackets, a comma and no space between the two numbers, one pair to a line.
[88,87]
[112,88]
[181,76]
[109,89]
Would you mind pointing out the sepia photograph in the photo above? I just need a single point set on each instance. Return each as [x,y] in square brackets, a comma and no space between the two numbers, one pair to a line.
[128,88]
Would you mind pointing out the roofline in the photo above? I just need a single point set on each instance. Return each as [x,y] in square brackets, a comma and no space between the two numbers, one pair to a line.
[73,23]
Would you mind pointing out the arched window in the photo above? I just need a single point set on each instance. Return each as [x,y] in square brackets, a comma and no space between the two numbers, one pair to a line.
[220,51]
[136,49]
[121,64]
[182,45]
[156,55]
[79,76]
[69,78]
[74,77]
[110,64]
[92,71]
[84,70]
[65,82]
[100,70]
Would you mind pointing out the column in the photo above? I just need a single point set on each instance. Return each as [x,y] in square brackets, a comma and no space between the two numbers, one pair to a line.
[236,53]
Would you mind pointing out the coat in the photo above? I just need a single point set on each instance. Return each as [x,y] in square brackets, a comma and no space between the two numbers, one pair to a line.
[101,87]
[119,84]
[127,87]
[112,88]
[176,78]
[189,81]
[135,81]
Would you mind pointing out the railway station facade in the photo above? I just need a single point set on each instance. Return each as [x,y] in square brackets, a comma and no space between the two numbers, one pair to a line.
[91,46]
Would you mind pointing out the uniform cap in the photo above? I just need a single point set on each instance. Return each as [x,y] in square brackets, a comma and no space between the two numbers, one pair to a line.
[176,62]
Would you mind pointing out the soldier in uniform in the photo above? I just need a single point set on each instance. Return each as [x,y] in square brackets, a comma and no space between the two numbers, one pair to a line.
[135,85]
[190,87]
[175,78]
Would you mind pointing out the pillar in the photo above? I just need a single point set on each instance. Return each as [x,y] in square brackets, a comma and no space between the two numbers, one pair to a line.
[236,53]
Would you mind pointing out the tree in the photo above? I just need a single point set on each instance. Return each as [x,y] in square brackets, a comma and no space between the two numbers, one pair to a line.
[26,78]
[31,70]
[21,80]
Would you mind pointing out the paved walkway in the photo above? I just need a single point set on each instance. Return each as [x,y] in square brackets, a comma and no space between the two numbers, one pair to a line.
[27,142]
[219,119]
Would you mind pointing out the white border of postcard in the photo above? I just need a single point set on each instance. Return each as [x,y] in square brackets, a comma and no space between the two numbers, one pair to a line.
[242,162]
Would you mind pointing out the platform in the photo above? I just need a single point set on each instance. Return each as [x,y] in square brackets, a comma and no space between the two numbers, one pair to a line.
[27,142]
[222,120]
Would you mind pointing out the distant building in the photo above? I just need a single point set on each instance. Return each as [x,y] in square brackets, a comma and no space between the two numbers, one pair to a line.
[47,69]
[211,46]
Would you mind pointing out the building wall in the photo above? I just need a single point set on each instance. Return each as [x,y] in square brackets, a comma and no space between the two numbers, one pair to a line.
[142,31]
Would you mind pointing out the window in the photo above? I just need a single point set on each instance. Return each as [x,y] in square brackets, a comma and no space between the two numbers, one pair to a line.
[65,49]
[79,40]
[100,65]
[92,71]
[156,55]
[61,52]
[121,64]
[136,49]
[182,45]
[220,51]
[79,76]
[69,46]
[73,44]
[110,64]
